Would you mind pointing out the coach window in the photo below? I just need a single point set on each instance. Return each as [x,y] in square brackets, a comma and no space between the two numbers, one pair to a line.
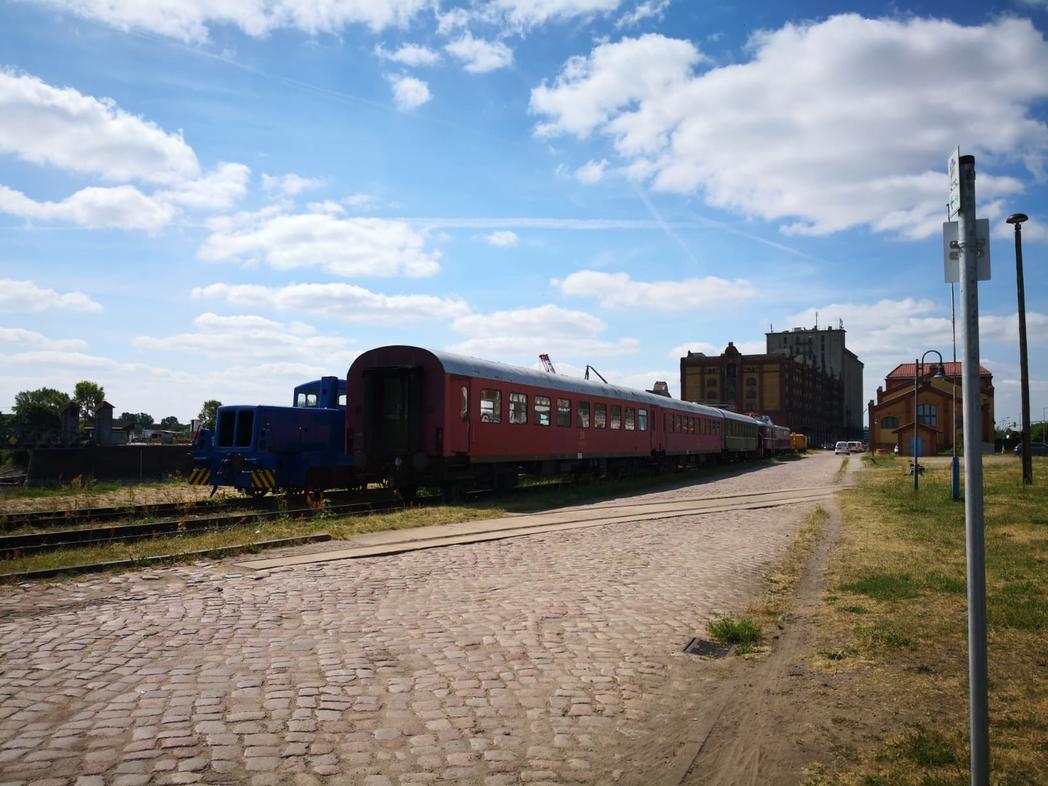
[676,423]
[542,410]
[464,405]
[642,419]
[490,405]
[518,407]
[583,414]
[631,419]
[600,415]
[616,416]
[563,412]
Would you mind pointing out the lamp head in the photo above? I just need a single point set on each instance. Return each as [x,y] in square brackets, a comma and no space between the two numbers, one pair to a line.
[940,372]
[1017,218]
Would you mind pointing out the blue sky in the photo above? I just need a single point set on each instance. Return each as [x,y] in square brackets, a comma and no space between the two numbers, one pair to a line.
[206,204]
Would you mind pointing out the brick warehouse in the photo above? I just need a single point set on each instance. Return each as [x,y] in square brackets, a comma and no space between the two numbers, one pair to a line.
[790,390]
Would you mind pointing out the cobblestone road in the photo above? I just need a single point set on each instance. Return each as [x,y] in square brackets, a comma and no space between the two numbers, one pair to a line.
[535,659]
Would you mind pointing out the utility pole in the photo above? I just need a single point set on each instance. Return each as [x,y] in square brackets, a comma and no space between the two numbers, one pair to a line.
[971,402]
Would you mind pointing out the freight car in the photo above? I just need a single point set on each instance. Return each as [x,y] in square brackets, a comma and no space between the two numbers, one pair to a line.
[421,417]
[259,448]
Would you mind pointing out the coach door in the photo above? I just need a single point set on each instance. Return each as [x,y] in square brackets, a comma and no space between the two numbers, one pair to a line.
[391,412]
[458,415]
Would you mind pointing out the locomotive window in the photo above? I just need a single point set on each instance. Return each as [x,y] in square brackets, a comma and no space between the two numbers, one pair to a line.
[583,414]
[642,419]
[631,419]
[226,427]
[490,406]
[564,412]
[616,416]
[600,415]
[542,407]
[464,407]
[245,424]
[342,399]
[518,407]
[306,400]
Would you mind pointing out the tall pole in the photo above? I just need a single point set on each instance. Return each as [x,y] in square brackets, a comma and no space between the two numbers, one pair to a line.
[1024,370]
[971,403]
[916,461]
[955,468]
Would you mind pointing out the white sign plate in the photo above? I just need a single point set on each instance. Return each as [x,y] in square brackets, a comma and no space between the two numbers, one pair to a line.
[951,253]
[953,175]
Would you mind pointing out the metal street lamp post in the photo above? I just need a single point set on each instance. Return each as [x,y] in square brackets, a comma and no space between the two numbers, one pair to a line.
[918,368]
[1017,220]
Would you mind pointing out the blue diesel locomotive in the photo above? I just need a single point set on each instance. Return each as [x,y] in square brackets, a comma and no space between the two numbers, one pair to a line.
[260,448]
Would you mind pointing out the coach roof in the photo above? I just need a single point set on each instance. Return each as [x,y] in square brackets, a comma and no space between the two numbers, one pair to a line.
[502,372]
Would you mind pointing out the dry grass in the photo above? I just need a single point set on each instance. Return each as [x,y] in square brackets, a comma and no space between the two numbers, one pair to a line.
[895,623]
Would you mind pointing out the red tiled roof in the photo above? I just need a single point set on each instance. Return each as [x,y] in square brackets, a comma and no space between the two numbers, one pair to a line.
[905,370]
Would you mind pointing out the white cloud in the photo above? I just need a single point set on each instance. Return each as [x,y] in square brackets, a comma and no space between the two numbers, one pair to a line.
[524,333]
[38,341]
[328,206]
[189,20]
[343,246]
[480,56]
[346,301]
[828,126]
[63,128]
[703,347]
[411,55]
[409,92]
[216,190]
[360,199]
[26,296]
[290,184]
[619,290]
[502,239]
[530,13]
[247,336]
[650,9]
[121,207]
[591,171]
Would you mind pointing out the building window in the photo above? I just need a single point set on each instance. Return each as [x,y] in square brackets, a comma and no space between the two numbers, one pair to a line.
[564,412]
[928,415]
[490,406]
[890,422]
[518,407]
[542,409]
[751,382]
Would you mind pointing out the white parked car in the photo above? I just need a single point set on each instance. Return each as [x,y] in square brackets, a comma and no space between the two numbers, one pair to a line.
[855,447]
[841,448]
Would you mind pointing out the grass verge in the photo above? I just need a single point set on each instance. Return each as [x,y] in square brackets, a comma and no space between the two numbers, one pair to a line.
[893,629]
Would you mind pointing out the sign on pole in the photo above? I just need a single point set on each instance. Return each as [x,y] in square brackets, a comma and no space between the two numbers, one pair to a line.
[953,172]
[951,251]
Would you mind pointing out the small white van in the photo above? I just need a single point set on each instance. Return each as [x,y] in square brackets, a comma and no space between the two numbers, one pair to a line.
[855,447]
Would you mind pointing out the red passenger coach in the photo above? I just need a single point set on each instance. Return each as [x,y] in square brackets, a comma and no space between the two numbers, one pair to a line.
[422,417]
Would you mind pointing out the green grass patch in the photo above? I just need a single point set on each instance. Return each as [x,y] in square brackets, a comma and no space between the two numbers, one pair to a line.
[729,630]
[929,748]
[884,586]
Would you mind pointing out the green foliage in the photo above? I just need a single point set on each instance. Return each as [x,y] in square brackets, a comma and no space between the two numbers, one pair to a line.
[88,396]
[929,748]
[208,412]
[40,409]
[135,421]
[171,423]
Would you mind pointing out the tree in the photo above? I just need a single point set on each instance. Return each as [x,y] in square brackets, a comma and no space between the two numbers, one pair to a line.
[135,421]
[40,408]
[170,423]
[89,396]
[208,412]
